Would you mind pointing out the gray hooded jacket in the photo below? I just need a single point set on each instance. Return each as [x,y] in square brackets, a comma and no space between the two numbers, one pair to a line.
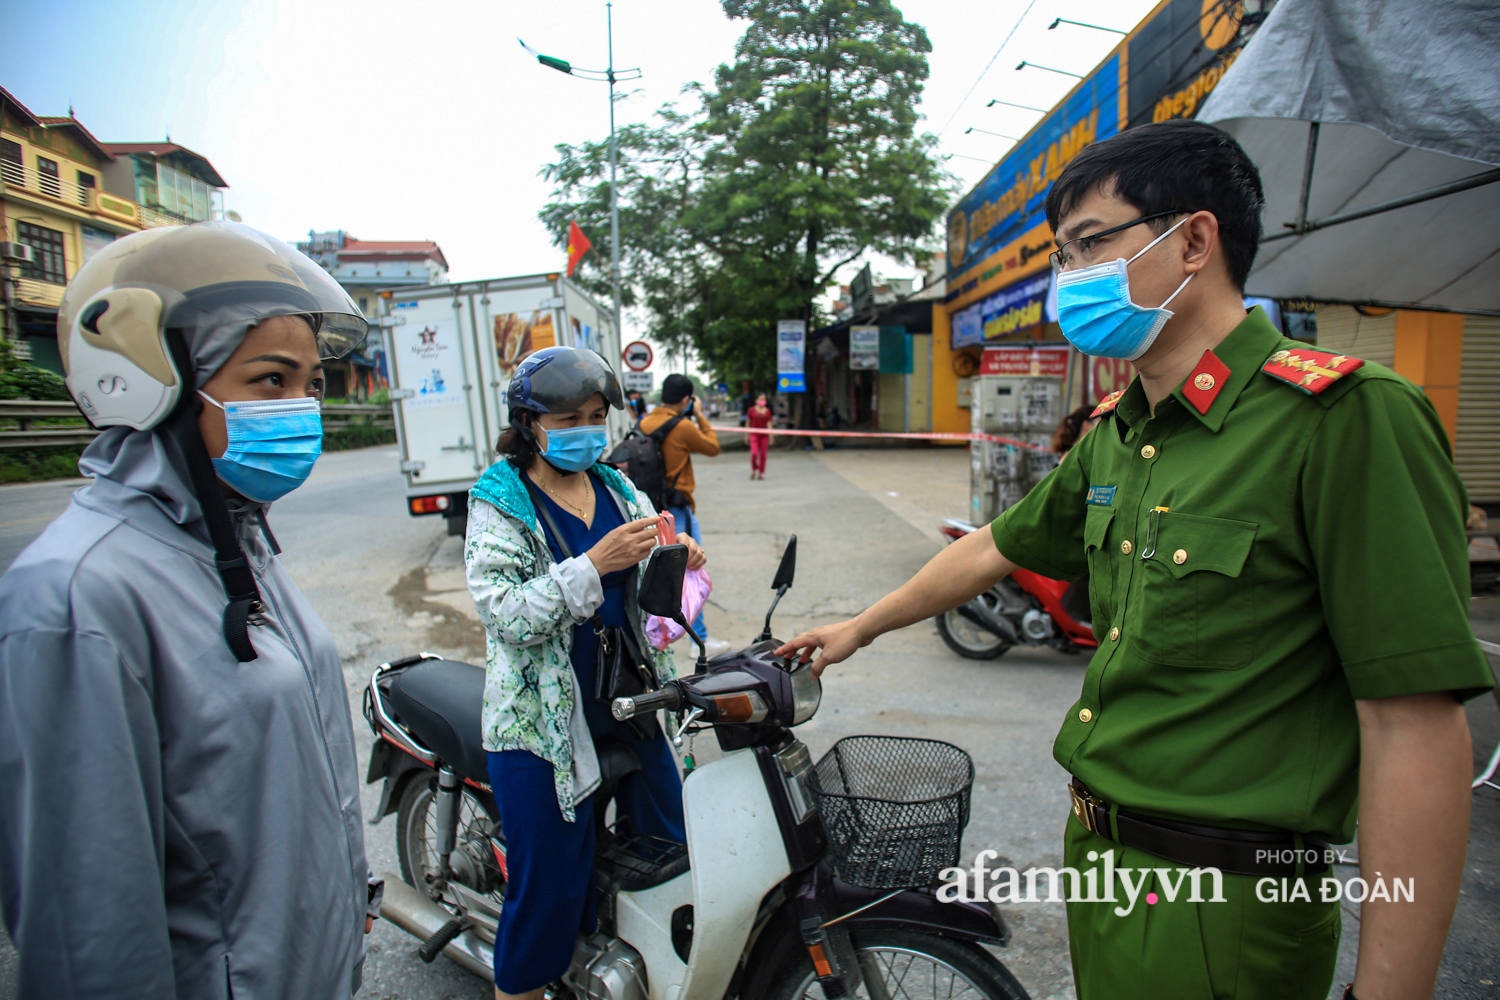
[173,823]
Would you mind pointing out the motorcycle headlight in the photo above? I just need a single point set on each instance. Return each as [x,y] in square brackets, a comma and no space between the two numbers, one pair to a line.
[807,694]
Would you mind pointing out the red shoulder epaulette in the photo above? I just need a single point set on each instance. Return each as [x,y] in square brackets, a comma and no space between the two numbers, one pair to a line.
[1309,370]
[1107,404]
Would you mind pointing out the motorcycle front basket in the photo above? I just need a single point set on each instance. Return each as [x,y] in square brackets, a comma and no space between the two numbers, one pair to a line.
[894,807]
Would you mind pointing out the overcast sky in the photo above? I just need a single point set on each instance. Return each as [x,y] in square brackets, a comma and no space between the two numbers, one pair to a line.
[400,120]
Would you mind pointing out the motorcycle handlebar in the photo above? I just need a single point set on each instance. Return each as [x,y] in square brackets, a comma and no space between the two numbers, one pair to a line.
[668,697]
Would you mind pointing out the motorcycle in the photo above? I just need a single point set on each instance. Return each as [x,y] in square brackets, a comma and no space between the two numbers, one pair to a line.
[793,873]
[1023,609]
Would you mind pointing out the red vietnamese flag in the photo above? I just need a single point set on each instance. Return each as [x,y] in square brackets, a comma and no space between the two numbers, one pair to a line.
[578,245]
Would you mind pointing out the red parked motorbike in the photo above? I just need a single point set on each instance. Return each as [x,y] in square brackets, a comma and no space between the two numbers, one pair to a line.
[1023,609]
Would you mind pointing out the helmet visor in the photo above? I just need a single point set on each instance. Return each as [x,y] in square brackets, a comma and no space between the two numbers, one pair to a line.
[565,380]
[212,271]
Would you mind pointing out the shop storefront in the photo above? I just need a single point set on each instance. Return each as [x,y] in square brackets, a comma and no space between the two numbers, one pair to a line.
[998,280]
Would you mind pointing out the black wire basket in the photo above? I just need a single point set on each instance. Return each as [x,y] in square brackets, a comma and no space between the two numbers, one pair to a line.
[894,807]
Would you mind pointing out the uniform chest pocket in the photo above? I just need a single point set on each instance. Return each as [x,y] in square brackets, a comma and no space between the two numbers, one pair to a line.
[1197,596]
[1101,569]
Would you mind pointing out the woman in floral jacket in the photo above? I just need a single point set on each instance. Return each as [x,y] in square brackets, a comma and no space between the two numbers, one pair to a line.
[554,540]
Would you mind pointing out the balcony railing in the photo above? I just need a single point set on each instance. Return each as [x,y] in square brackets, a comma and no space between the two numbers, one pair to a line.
[70,193]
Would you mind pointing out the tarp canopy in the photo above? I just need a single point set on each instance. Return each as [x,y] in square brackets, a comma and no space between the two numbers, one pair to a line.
[1386,111]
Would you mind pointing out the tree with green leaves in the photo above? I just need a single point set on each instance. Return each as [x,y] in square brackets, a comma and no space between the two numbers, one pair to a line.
[803,157]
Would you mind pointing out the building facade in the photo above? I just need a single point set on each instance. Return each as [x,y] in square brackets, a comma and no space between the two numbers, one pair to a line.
[365,268]
[64,195]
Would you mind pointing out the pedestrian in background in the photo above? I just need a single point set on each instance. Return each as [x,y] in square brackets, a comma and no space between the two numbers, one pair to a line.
[693,435]
[759,415]
[1071,429]
[636,405]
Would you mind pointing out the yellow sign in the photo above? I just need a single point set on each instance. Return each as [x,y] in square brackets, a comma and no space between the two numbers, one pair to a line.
[1184,102]
[1016,259]
[118,207]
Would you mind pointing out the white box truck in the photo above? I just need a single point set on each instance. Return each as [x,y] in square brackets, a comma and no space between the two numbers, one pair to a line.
[452,350]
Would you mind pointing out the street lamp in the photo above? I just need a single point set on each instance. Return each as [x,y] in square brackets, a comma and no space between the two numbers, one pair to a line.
[1082,24]
[1012,104]
[1049,69]
[612,77]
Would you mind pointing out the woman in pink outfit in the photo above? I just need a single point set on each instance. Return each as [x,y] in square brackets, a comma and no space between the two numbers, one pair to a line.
[759,416]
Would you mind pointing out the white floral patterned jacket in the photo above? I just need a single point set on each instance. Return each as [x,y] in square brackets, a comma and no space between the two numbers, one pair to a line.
[528,604]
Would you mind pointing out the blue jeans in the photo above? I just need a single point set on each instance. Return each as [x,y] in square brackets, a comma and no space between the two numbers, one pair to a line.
[688,522]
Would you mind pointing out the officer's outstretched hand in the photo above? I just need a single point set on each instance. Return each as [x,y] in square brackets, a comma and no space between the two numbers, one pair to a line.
[833,643]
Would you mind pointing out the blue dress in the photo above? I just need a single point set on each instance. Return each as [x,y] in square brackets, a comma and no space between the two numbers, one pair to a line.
[550,862]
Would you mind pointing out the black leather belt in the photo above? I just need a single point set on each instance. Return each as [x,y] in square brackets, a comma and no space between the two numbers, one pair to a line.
[1240,852]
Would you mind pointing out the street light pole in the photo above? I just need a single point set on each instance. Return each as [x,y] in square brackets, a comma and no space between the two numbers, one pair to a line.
[609,75]
[614,195]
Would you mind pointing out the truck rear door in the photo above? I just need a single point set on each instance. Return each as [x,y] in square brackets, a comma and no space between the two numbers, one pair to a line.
[431,362]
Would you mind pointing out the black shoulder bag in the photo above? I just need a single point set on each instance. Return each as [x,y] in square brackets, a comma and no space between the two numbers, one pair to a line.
[621,669]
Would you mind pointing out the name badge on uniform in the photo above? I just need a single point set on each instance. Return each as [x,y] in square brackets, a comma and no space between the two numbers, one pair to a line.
[1101,496]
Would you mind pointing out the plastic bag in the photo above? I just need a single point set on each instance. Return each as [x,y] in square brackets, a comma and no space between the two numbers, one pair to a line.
[696,586]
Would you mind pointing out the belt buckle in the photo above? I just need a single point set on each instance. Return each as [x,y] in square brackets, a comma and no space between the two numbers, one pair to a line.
[1084,804]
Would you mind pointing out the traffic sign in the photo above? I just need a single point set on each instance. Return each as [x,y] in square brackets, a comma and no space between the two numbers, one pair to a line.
[638,355]
[639,381]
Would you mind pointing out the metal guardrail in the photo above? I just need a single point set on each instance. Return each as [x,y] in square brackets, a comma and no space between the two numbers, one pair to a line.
[28,434]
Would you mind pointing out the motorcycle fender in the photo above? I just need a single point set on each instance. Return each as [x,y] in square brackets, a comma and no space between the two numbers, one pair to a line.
[398,768]
[738,857]
[920,910]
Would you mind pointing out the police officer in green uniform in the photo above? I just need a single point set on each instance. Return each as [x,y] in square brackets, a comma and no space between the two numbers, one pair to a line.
[1274,538]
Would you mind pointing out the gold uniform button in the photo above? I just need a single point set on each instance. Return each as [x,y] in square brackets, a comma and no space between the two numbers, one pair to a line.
[1204,381]
[1180,556]
[1084,715]
[1125,546]
[1114,633]
[1149,451]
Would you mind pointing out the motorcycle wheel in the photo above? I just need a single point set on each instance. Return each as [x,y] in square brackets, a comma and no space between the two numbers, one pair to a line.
[473,860]
[967,639]
[912,966]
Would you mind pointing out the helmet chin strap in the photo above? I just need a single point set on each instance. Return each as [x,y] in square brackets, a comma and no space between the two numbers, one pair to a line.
[181,427]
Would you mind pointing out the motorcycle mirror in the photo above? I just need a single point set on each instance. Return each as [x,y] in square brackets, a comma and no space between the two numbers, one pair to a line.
[788,567]
[660,592]
[781,583]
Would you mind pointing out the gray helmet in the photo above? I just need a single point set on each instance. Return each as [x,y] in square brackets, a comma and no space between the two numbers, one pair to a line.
[560,380]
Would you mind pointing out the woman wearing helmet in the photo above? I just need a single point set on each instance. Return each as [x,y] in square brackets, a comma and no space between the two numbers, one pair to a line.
[554,546]
[179,804]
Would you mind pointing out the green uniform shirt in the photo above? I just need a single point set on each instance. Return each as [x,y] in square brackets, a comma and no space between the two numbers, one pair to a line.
[1311,552]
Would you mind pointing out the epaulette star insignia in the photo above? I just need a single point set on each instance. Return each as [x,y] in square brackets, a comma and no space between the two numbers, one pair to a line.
[1107,404]
[1309,370]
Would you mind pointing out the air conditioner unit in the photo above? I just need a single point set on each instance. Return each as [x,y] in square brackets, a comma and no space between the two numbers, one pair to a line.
[19,252]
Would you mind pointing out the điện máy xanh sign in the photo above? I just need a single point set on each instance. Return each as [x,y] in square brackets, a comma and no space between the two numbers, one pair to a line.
[1009,200]
[1162,69]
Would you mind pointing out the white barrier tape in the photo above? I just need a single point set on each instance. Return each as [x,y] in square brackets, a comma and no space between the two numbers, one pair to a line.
[896,435]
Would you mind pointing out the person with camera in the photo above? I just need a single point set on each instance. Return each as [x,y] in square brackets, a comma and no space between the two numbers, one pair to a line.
[692,435]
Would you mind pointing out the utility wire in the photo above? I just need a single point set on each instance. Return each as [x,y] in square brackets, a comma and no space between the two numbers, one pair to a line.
[1013,29]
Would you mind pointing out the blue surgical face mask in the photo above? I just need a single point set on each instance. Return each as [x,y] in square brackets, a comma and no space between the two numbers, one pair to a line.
[574,449]
[1097,315]
[273,444]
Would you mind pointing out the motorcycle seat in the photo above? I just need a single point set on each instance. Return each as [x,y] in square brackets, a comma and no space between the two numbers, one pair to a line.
[441,702]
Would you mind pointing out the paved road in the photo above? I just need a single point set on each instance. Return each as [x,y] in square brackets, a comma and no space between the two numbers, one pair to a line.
[388,584]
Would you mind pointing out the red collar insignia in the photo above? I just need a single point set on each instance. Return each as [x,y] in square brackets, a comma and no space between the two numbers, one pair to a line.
[1205,382]
[1309,370]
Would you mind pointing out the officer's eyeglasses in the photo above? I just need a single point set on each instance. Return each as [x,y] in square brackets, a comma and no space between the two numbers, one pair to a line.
[1080,251]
